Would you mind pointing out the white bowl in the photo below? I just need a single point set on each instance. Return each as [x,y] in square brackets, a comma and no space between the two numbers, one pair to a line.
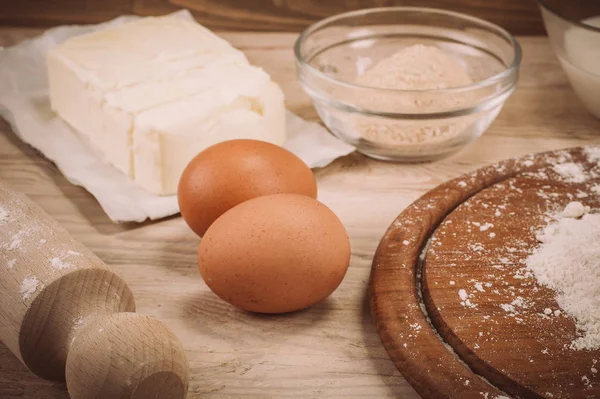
[574,30]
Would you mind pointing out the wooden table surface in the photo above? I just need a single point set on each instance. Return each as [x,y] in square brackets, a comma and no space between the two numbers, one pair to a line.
[331,350]
[517,16]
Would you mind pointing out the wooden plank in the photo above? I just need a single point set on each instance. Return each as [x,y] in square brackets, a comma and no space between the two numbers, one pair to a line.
[58,12]
[332,350]
[518,16]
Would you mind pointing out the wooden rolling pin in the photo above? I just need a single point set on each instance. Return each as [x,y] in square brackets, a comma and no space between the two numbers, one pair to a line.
[67,316]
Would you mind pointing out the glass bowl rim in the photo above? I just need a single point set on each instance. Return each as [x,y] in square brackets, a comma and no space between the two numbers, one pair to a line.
[546,6]
[500,76]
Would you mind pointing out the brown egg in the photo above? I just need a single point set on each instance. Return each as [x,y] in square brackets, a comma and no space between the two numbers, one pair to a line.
[274,254]
[231,172]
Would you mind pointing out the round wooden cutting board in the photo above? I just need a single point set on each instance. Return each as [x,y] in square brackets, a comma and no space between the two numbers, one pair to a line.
[455,306]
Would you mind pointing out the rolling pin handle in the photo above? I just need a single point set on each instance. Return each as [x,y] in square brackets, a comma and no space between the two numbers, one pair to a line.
[126,355]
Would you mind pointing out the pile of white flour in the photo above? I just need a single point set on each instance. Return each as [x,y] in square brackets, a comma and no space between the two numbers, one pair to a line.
[568,262]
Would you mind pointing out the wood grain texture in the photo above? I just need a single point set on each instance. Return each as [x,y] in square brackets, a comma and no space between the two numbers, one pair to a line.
[331,350]
[518,16]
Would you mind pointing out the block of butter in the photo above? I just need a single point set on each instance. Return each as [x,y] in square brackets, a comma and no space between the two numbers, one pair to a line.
[150,94]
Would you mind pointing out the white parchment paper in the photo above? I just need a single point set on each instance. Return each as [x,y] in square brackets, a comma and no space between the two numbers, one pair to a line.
[25,105]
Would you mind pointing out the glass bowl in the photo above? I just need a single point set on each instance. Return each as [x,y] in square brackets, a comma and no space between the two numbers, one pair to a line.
[574,30]
[398,124]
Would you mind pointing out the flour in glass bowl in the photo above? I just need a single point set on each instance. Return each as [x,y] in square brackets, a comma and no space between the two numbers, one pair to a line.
[568,262]
[415,67]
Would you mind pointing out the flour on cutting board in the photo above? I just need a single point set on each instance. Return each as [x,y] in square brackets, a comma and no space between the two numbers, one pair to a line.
[517,306]
[567,190]
[508,283]
[568,262]
[568,258]
[571,172]
[465,301]
[575,209]
[592,153]
[568,170]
